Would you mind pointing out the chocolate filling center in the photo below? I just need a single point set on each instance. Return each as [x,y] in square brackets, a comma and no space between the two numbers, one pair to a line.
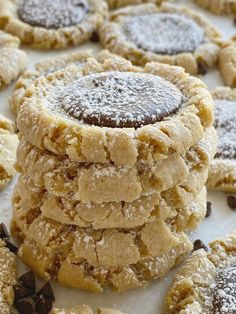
[225,117]
[53,14]
[225,291]
[121,99]
[163,33]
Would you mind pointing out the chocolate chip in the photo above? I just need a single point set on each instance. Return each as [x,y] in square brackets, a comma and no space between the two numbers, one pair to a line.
[47,292]
[231,200]
[202,68]
[26,306]
[28,281]
[11,246]
[3,231]
[20,292]
[94,38]
[208,212]
[199,244]
[43,305]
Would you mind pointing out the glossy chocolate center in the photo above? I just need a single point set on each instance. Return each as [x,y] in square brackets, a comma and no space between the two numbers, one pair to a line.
[53,14]
[225,117]
[121,99]
[163,33]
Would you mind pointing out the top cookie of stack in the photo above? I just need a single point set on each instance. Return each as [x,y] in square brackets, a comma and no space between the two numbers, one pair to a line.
[111,156]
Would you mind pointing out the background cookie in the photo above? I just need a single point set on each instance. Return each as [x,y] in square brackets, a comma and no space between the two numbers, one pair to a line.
[44,25]
[12,60]
[227,62]
[222,173]
[129,33]
[200,285]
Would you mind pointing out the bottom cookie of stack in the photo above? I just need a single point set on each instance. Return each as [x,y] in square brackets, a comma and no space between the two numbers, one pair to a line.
[94,259]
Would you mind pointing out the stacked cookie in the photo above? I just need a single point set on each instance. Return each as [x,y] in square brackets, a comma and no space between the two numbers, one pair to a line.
[113,161]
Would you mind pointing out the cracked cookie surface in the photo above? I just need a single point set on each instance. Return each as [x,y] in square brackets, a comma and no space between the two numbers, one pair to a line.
[166,34]
[7,278]
[46,25]
[94,259]
[59,132]
[13,60]
[8,146]
[227,62]
[114,4]
[200,284]
[101,183]
[218,7]
[222,173]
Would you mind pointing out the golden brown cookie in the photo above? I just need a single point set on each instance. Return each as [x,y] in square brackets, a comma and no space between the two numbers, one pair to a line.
[206,283]
[94,259]
[166,34]
[7,278]
[227,62]
[52,25]
[114,4]
[12,60]
[222,173]
[30,201]
[218,6]
[8,146]
[85,309]
[90,131]
[109,183]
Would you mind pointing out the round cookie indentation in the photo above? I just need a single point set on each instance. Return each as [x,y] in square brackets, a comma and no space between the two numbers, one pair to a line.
[121,99]
[53,14]
[163,33]
[225,117]
[225,291]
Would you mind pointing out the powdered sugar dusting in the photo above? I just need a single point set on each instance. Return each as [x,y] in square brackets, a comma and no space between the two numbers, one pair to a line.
[225,117]
[121,99]
[163,33]
[53,14]
[225,291]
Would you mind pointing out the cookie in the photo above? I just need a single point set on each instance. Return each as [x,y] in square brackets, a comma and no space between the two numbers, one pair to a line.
[219,6]
[8,146]
[227,62]
[29,202]
[109,183]
[44,25]
[7,277]
[108,132]
[222,173]
[114,4]
[94,259]
[166,34]
[206,281]
[84,309]
[12,60]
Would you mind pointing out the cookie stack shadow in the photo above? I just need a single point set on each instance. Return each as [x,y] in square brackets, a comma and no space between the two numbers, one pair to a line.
[93,225]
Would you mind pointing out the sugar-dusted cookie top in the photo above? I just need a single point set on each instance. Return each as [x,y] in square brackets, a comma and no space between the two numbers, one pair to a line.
[113,111]
[52,24]
[166,33]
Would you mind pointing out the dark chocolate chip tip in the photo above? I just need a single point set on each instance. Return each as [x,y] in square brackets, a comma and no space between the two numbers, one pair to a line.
[208,211]
[28,281]
[42,304]
[202,67]
[4,234]
[231,200]
[25,306]
[11,246]
[47,292]
[199,244]
[20,292]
